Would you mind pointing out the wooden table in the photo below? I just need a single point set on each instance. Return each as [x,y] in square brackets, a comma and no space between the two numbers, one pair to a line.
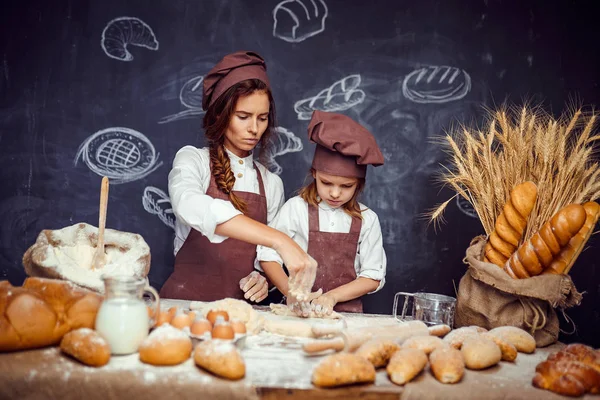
[276,368]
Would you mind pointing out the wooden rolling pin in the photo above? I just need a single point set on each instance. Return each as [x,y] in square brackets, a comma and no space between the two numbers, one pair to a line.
[351,339]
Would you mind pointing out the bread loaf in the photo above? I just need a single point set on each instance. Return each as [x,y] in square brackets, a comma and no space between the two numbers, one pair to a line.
[538,252]
[405,364]
[439,330]
[510,224]
[378,351]
[424,343]
[166,345]
[562,263]
[42,311]
[87,346]
[447,364]
[569,378]
[523,341]
[343,369]
[221,358]
[480,353]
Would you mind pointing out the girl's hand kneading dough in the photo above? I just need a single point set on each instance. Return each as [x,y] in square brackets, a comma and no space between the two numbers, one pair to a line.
[255,287]
[302,308]
[323,305]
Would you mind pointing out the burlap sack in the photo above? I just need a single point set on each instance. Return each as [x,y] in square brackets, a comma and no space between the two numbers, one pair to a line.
[489,297]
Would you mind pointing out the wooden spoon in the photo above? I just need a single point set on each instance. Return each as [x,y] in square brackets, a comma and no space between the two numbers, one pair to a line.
[99,259]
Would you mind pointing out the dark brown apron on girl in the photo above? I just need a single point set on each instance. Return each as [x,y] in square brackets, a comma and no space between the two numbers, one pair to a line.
[208,271]
[335,252]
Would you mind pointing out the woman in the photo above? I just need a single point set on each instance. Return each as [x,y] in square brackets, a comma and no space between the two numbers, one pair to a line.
[223,199]
[327,220]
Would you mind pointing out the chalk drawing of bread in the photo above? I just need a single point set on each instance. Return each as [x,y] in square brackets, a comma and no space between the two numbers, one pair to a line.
[436,84]
[342,95]
[124,31]
[281,142]
[156,202]
[297,20]
[121,154]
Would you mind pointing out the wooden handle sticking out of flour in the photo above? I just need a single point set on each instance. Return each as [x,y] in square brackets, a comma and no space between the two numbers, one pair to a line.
[100,257]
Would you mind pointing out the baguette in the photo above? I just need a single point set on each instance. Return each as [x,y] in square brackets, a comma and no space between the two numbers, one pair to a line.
[510,224]
[564,261]
[42,311]
[538,252]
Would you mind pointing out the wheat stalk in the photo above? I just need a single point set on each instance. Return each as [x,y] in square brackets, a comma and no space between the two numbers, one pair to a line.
[518,145]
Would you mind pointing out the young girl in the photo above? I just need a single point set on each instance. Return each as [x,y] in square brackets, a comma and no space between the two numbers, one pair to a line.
[222,198]
[327,220]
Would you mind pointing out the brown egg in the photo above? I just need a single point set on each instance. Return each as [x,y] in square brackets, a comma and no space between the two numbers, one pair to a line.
[213,314]
[172,311]
[163,318]
[181,320]
[238,326]
[192,315]
[222,330]
[200,326]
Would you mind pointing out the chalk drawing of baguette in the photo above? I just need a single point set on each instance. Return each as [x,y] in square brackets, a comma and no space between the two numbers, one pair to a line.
[156,202]
[436,84]
[340,96]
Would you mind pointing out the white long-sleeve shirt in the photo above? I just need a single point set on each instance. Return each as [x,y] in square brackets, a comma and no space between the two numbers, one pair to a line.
[189,180]
[292,219]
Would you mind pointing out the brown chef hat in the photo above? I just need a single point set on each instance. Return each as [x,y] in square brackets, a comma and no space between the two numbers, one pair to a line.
[232,69]
[344,147]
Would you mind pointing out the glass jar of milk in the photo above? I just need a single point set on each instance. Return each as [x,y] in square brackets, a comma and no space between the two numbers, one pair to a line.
[123,318]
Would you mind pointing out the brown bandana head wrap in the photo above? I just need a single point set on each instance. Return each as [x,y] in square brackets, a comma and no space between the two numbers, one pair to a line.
[344,147]
[232,69]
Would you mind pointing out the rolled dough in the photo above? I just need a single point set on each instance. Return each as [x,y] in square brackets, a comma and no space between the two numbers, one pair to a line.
[282,309]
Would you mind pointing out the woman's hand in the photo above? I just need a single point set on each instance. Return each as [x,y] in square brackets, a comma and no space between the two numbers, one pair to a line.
[301,267]
[323,305]
[255,287]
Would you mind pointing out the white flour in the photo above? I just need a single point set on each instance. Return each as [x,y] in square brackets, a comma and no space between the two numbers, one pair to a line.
[72,258]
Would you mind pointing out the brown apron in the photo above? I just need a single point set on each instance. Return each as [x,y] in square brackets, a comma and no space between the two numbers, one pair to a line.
[335,252]
[208,271]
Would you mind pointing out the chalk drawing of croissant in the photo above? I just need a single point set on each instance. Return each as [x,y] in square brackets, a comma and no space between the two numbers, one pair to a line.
[342,95]
[436,84]
[297,20]
[190,96]
[124,31]
[156,202]
[281,142]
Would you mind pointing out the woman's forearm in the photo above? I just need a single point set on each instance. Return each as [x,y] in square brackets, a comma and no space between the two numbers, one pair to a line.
[248,230]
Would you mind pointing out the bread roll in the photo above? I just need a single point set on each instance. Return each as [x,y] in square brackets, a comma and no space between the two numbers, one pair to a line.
[523,341]
[509,351]
[562,263]
[343,369]
[456,337]
[221,358]
[439,330]
[569,378]
[447,364]
[537,253]
[405,364]
[87,346]
[480,353]
[42,311]
[510,224]
[425,343]
[378,351]
[166,345]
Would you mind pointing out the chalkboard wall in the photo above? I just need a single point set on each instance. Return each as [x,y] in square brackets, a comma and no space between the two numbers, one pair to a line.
[112,87]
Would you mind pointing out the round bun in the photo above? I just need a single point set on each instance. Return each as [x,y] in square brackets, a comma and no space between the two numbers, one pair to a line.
[166,345]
